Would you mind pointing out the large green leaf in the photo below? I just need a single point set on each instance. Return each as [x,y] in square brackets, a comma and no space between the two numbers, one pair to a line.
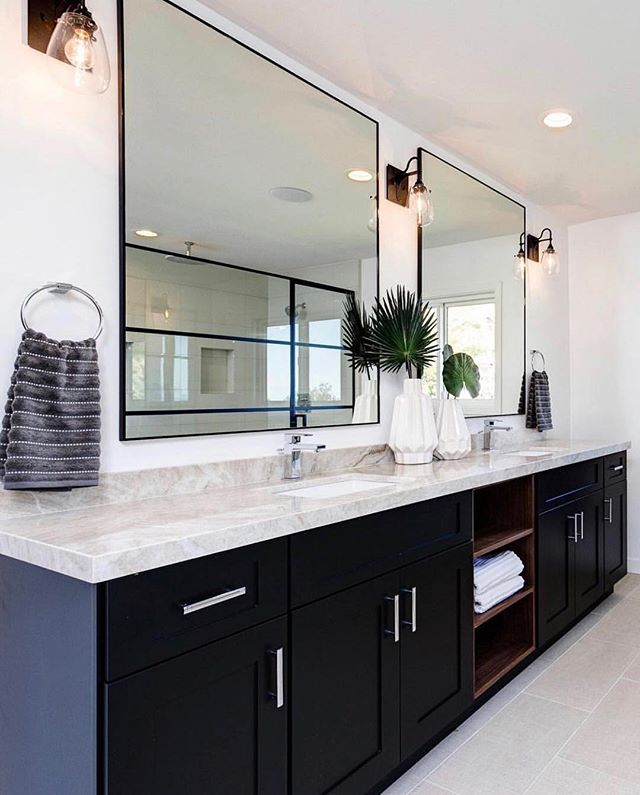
[459,371]
[404,332]
[357,336]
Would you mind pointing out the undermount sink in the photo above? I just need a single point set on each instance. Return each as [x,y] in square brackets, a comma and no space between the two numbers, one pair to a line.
[535,453]
[341,488]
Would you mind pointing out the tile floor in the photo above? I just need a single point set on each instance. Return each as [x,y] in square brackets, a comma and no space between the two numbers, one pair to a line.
[567,725]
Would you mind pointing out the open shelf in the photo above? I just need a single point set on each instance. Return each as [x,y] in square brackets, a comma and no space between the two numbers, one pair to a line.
[503,642]
[481,618]
[502,513]
[492,542]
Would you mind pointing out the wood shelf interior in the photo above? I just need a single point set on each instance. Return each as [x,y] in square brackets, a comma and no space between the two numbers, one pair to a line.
[504,519]
[503,642]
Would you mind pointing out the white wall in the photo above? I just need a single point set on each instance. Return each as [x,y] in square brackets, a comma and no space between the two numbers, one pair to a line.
[59,221]
[605,329]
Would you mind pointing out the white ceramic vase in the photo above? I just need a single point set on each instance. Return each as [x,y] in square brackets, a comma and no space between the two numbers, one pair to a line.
[365,408]
[454,439]
[413,436]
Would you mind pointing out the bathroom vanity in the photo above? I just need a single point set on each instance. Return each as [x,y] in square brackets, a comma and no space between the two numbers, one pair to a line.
[240,640]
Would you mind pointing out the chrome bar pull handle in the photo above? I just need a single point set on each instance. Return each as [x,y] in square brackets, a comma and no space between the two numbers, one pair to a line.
[413,621]
[278,693]
[581,525]
[395,632]
[618,468]
[225,596]
[574,518]
[609,518]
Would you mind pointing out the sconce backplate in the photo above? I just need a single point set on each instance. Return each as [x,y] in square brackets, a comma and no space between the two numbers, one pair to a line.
[42,16]
[533,248]
[397,186]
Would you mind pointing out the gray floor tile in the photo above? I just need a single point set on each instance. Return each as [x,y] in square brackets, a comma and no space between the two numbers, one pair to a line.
[567,778]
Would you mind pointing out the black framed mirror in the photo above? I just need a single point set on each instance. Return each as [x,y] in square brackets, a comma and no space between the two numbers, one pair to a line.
[467,271]
[248,214]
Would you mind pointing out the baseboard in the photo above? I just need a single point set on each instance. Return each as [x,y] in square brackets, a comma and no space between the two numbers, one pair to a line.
[633,565]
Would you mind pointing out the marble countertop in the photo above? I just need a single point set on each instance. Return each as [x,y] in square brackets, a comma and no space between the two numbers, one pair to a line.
[102,542]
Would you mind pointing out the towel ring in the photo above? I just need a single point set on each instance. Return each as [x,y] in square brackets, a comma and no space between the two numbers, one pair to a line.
[62,288]
[535,353]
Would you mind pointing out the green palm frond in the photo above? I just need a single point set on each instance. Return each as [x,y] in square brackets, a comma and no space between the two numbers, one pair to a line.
[405,332]
[357,336]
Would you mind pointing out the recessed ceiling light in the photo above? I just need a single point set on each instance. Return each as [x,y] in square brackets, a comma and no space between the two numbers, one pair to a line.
[360,175]
[295,195]
[557,119]
[146,233]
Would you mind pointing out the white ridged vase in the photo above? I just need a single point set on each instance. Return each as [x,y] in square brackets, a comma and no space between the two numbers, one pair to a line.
[454,439]
[413,436]
[365,408]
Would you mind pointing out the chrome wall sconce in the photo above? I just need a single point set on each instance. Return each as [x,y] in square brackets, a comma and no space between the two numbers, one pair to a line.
[418,197]
[72,39]
[549,260]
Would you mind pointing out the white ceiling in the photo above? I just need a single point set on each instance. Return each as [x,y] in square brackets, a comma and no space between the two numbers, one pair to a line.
[476,77]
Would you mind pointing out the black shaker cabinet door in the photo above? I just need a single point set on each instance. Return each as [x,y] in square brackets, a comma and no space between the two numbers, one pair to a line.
[344,674]
[437,645]
[556,593]
[615,534]
[589,552]
[203,723]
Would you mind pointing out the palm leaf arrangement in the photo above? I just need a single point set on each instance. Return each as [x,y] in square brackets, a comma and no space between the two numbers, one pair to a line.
[404,332]
[357,337]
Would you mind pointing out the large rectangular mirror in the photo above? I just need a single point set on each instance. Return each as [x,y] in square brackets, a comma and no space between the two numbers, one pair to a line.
[257,195]
[466,272]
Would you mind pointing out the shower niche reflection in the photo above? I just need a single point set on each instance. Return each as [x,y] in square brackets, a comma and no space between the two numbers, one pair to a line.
[238,328]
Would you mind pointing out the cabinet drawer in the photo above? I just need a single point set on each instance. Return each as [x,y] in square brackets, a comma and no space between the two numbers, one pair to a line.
[558,486]
[615,467]
[338,556]
[159,614]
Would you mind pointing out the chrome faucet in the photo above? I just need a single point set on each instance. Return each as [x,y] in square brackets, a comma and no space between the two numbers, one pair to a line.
[293,447]
[487,435]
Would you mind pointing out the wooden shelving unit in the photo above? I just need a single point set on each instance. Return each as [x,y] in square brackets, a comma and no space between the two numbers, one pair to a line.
[505,635]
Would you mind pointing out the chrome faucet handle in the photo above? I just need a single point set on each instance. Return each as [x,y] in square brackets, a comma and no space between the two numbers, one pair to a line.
[294,437]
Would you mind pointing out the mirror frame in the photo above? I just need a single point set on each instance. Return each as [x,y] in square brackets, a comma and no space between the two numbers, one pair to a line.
[422,150]
[123,413]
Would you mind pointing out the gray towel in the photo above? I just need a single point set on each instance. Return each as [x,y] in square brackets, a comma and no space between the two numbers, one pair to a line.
[50,437]
[539,403]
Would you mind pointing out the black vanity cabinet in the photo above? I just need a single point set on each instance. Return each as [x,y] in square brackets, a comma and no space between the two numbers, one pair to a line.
[615,519]
[379,668]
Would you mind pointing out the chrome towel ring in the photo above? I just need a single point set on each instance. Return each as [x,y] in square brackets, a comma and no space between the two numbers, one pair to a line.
[62,288]
[535,353]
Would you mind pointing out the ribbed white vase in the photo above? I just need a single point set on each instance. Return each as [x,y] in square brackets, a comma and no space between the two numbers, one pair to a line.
[365,408]
[454,439]
[413,436]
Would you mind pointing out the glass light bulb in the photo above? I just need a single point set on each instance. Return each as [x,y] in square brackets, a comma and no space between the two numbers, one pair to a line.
[372,223]
[77,53]
[420,202]
[519,266]
[550,261]
[79,50]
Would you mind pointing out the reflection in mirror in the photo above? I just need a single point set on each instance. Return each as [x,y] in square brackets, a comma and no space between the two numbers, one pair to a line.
[241,170]
[466,268]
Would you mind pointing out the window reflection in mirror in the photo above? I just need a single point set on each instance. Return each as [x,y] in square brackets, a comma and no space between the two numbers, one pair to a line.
[244,166]
[467,256]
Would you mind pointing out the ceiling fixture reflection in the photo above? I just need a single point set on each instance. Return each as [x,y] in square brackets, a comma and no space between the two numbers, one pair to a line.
[293,195]
[78,43]
[145,233]
[360,175]
[188,245]
[418,197]
[372,223]
[557,119]
[549,260]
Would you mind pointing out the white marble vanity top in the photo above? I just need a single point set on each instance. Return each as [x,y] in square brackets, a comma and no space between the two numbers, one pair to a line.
[105,540]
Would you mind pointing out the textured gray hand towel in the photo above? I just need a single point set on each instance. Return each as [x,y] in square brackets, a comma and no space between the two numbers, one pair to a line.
[50,437]
[539,404]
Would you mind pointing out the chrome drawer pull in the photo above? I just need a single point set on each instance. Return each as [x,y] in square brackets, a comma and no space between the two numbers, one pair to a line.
[396,617]
[610,517]
[193,607]
[279,691]
[413,623]
[618,468]
[574,537]
[581,525]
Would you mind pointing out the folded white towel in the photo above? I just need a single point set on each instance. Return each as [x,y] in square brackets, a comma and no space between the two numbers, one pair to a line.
[498,594]
[489,570]
[480,591]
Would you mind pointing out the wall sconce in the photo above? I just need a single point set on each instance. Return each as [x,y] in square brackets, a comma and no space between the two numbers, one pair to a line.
[520,264]
[418,197]
[69,34]
[549,260]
